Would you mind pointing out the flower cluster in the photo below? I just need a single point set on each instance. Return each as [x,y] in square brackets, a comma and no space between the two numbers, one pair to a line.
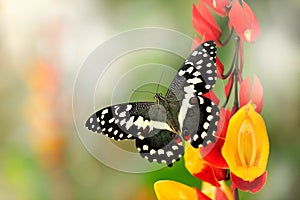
[240,154]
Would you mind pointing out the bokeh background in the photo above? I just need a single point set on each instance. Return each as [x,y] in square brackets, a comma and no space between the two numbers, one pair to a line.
[42,46]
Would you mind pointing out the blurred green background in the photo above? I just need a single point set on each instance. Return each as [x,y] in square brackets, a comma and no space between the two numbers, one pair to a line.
[43,44]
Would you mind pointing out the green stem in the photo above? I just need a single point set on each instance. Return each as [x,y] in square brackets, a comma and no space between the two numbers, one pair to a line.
[236,194]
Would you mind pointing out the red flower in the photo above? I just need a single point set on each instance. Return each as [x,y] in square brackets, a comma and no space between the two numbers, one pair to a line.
[220,68]
[219,6]
[257,93]
[204,23]
[242,18]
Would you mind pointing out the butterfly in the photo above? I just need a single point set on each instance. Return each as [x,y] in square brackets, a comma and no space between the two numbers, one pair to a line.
[184,114]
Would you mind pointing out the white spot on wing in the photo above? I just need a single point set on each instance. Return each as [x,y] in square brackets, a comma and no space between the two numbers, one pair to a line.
[169,153]
[206,125]
[122,122]
[196,73]
[145,147]
[141,123]
[208,109]
[111,120]
[195,137]
[194,80]
[203,134]
[181,72]
[194,53]
[174,147]
[122,114]
[129,123]
[190,69]
[129,106]
[160,151]
[152,152]
[199,62]
[104,111]
[189,93]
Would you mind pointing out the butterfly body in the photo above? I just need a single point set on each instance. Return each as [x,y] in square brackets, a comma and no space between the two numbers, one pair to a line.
[159,128]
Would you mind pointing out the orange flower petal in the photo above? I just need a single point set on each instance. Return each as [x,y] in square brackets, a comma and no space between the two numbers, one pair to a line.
[170,190]
[246,147]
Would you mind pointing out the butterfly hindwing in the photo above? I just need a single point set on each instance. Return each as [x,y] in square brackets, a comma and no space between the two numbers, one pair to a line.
[162,147]
[129,120]
[200,123]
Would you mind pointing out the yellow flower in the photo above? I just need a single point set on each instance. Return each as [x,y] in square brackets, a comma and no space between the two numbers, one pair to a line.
[170,190]
[246,147]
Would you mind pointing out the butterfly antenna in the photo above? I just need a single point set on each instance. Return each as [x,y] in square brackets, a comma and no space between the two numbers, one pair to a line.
[144,91]
[157,88]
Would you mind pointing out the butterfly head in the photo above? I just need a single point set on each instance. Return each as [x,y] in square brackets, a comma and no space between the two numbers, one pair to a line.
[159,98]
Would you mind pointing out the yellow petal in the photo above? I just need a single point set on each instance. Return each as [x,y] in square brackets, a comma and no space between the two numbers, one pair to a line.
[192,160]
[246,147]
[171,190]
[210,190]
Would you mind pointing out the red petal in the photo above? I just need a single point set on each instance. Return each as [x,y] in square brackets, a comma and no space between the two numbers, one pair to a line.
[205,12]
[244,21]
[212,96]
[252,186]
[211,174]
[228,86]
[257,94]
[213,154]
[205,24]
[220,68]
[245,92]
[219,6]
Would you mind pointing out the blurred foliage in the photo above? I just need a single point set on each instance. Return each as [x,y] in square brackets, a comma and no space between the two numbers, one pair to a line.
[41,154]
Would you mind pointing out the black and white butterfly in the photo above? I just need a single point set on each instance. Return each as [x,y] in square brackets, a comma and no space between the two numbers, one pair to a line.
[160,127]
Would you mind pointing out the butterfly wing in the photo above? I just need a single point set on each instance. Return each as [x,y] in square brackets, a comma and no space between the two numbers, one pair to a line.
[200,122]
[129,120]
[196,77]
[163,147]
[145,122]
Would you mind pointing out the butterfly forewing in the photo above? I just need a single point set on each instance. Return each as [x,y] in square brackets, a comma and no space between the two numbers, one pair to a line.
[197,75]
